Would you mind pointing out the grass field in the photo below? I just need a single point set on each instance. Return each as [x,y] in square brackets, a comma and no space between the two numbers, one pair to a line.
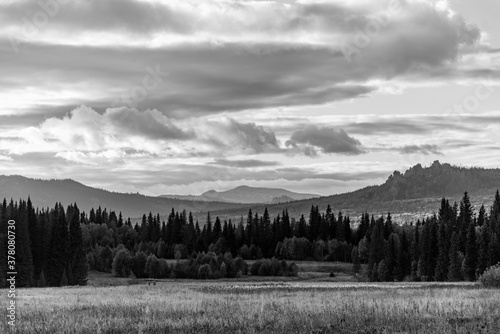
[259,307]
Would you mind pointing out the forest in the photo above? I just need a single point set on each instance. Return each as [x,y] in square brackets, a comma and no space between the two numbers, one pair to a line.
[58,246]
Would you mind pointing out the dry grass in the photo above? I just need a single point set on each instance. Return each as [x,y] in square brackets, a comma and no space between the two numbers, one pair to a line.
[238,307]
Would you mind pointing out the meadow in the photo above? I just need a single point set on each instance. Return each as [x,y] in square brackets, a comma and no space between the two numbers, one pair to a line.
[239,306]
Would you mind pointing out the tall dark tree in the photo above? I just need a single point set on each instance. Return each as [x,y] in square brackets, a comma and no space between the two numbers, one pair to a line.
[35,240]
[302,228]
[57,260]
[393,259]
[484,242]
[443,257]
[78,268]
[464,220]
[24,260]
[377,250]
[471,254]
[455,269]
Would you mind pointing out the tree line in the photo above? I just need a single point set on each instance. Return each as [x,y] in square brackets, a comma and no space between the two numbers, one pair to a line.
[57,246]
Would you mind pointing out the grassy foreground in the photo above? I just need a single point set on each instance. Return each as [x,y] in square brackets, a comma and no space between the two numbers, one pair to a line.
[239,307]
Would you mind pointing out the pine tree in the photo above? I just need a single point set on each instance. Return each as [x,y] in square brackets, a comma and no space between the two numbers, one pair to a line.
[266,235]
[388,228]
[64,279]
[78,267]
[455,269]
[471,255]
[24,259]
[57,257]
[3,243]
[356,262]
[442,263]
[302,228]
[495,214]
[494,250]
[35,240]
[393,259]
[464,220]
[377,248]
[484,242]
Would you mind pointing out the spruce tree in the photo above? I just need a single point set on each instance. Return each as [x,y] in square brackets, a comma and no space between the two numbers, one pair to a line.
[494,250]
[464,220]
[78,267]
[356,262]
[442,263]
[484,242]
[302,228]
[57,257]
[377,248]
[471,255]
[24,259]
[455,269]
[393,259]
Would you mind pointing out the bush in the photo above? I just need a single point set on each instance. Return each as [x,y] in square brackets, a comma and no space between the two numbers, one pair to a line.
[491,277]
[241,266]
[205,272]
[121,264]
[273,267]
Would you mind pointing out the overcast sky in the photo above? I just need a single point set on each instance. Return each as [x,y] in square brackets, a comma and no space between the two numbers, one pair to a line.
[180,97]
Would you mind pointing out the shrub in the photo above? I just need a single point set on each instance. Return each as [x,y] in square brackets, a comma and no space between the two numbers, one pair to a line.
[205,272]
[138,264]
[491,277]
[241,266]
[152,267]
[121,264]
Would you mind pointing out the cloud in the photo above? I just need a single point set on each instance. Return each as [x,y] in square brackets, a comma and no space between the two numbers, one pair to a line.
[249,163]
[329,140]
[149,123]
[86,136]
[85,128]
[230,136]
[225,56]
[420,149]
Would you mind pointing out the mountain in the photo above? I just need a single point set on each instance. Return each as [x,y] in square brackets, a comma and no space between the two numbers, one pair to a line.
[45,193]
[248,195]
[409,195]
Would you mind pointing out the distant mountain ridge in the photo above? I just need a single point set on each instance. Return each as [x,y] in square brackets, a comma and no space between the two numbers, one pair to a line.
[414,193]
[45,193]
[407,195]
[248,195]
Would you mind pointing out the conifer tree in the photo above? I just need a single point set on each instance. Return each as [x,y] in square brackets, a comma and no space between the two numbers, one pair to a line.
[393,259]
[356,262]
[471,255]
[443,257]
[484,242]
[464,220]
[377,248]
[24,259]
[78,267]
[455,269]
[57,257]
[302,228]
[494,250]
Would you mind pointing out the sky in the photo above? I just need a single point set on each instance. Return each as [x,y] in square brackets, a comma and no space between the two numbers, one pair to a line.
[181,97]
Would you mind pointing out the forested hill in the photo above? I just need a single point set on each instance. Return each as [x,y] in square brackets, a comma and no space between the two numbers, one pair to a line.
[45,193]
[438,180]
[408,195]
